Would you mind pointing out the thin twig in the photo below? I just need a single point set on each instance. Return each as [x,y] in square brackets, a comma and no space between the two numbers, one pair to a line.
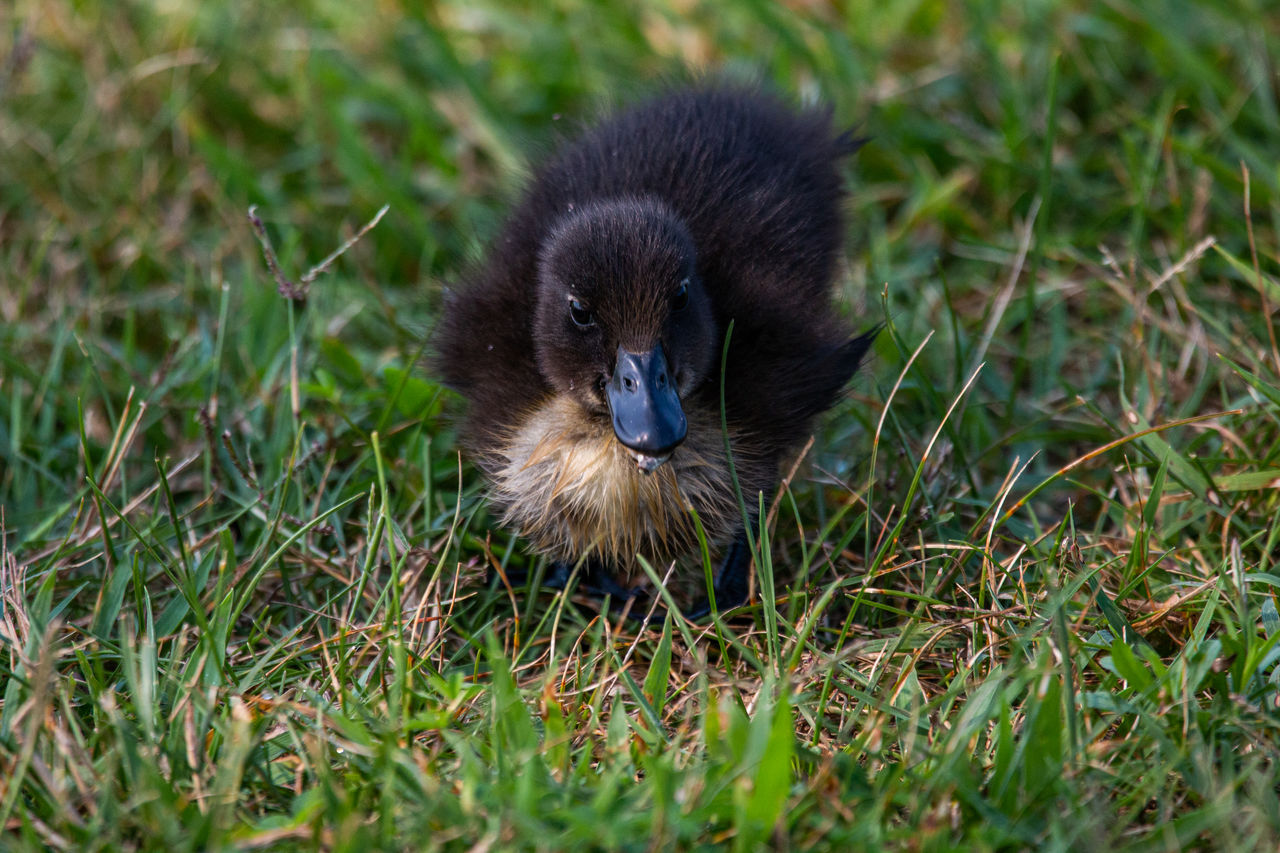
[299,291]
[312,274]
[284,287]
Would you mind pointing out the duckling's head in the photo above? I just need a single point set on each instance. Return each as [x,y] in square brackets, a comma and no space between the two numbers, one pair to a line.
[623,324]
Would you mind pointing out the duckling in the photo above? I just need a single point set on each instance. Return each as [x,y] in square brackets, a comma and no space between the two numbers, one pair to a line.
[588,343]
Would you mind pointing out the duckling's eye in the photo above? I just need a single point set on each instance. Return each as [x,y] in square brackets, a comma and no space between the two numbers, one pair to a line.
[681,297]
[581,314]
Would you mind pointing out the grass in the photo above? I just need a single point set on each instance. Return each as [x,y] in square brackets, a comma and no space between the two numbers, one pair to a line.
[1020,593]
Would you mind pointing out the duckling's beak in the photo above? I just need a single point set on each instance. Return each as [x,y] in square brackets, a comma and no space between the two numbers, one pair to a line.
[647,417]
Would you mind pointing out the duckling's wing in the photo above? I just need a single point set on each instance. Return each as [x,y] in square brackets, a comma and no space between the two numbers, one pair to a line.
[484,350]
[777,385]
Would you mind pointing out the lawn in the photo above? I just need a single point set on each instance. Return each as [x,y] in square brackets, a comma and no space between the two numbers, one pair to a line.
[1020,592]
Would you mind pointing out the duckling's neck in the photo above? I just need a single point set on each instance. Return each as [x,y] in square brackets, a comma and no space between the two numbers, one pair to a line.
[569,486]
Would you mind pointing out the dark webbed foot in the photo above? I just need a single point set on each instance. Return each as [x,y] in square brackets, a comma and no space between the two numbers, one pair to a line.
[594,580]
[731,583]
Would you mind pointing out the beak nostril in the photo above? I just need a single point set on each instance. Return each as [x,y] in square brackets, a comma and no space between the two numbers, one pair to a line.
[645,409]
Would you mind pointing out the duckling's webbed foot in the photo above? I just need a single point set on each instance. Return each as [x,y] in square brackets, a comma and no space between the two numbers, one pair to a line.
[732,580]
[597,581]
[594,580]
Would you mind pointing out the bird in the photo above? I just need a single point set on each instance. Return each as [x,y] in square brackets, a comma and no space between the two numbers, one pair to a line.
[655,316]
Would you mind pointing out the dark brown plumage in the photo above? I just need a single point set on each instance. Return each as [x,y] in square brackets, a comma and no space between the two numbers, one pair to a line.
[588,343]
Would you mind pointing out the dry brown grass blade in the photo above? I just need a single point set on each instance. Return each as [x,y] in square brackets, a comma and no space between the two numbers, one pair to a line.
[1112,445]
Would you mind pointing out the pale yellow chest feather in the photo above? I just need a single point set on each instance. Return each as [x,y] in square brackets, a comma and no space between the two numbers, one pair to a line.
[569,487]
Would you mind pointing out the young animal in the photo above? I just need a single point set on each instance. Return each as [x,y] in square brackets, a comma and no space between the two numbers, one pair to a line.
[588,344]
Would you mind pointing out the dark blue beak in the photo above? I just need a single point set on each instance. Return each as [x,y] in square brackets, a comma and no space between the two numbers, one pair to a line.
[647,417]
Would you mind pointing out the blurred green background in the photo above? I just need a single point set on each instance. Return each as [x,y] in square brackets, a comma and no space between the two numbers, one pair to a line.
[135,135]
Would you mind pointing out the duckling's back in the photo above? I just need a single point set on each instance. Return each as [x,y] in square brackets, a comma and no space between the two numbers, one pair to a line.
[755,181]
